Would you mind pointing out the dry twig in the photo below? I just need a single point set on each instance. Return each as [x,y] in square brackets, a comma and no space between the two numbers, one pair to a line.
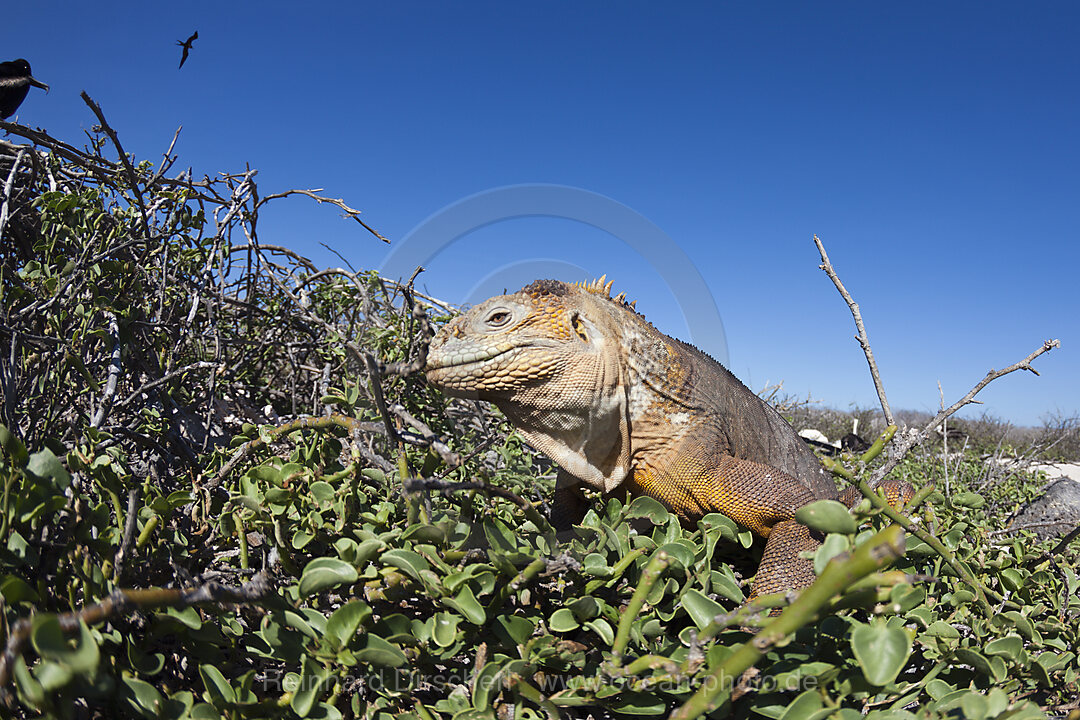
[862,337]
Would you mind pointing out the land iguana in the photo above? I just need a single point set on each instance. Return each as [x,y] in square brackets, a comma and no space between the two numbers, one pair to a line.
[615,403]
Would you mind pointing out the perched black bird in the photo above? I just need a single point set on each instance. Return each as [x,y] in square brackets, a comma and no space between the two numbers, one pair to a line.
[186,44]
[15,82]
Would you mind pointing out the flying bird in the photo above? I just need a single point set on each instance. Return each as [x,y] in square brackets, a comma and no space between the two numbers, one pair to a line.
[186,44]
[15,82]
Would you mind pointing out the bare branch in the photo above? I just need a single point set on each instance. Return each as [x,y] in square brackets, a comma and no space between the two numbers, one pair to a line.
[313,194]
[992,375]
[6,207]
[114,375]
[124,160]
[915,437]
[862,337]
[129,535]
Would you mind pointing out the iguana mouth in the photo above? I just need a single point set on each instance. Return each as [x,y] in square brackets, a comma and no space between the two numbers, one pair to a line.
[462,358]
[469,357]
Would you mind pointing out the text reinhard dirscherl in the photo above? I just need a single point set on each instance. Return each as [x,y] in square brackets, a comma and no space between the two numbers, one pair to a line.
[409,681]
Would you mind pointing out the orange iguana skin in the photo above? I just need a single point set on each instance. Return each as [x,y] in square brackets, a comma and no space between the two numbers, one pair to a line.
[618,404]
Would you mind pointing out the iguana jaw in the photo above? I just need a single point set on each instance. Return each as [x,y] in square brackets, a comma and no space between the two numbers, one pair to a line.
[473,355]
[469,369]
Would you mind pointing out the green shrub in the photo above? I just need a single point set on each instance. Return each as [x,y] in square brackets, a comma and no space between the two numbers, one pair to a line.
[265,433]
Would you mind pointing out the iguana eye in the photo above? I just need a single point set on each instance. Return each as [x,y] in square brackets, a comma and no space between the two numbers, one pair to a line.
[579,327]
[498,317]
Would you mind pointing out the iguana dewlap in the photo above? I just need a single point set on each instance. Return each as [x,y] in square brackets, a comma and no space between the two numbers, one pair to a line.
[618,404]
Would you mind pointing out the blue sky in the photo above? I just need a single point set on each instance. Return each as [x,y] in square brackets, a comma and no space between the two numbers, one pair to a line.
[933,147]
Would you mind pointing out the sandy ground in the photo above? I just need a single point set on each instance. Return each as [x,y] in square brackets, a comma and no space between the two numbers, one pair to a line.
[1056,470]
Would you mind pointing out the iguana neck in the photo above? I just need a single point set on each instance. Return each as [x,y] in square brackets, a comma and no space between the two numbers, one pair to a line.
[663,400]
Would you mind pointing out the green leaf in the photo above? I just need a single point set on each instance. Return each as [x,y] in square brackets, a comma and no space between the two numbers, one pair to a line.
[806,706]
[486,685]
[16,590]
[644,506]
[301,538]
[145,698]
[325,572]
[374,474]
[1012,579]
[596,565]
[727,587]
[467,604]
[1010,646]
[975,659]
[941,629]
[424,533]
[881,651]
[938,688]
[584,608]
[407,561]
[603,629]
[376,651]
[681,556]
[13,446]
[827,516]
[50,643]
[189,617]
[639,703]
[342,625]
[701,609]
[28,686]
[366,550]
[44,464]
[312,679]
[968,500]
[323,492]
[563,620]
[52,675]
[218,689]
[797,678]
[835,544]
[718,522]
[445,631]
[518,629]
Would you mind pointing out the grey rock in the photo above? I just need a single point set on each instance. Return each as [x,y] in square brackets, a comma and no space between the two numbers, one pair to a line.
[1053,514]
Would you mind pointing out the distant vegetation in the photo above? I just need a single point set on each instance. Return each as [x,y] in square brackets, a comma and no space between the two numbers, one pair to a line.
[228,493]
[1057,438]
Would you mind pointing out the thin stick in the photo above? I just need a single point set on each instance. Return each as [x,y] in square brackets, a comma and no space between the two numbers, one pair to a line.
[339,202]
[129,534]
[992,375]
[7,190]
[124,160]
[114,375]
[862,337]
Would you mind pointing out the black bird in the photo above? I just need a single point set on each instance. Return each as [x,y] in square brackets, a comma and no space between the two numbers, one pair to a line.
[186,44]
[15,82]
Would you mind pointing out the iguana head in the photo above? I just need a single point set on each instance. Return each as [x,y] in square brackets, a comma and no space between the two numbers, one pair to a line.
[551,358]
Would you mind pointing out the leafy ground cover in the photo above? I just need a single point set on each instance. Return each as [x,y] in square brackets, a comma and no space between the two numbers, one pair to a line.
[228,493]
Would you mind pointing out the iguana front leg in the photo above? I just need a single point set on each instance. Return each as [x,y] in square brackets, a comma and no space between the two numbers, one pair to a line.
[568,504]
[781,567]
[759,497]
